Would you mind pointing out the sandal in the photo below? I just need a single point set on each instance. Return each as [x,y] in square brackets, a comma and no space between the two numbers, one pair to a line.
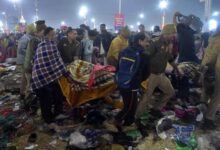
[32,138]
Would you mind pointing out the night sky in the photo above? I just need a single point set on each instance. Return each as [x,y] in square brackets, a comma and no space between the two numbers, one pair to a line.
[55,11]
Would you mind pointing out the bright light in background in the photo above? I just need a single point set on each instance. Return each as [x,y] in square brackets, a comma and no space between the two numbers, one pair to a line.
[213,24]
[163,4]
[132,26]
[3,13]
[141,15]
[1,24]
[138,23]
[63,23]
[83,11]
[93,20]
[36,18]
[14,1]
[152,28]
[22,20]
[215,13]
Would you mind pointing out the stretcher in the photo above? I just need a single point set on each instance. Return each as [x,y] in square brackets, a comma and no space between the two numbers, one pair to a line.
[77,98]
[92,82]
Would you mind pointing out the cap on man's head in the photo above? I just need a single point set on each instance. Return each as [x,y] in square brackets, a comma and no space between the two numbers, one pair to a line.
[31,28]
[40,25]
[169,29]
[70,29]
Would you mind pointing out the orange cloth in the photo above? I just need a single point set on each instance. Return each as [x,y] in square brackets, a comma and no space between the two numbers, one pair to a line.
[115,103]
[78,98]
[144,84]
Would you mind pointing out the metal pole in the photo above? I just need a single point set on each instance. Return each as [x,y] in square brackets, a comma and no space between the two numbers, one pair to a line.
[85,20]
[119,10]
[21,12]
[94,25]
[208,7]
[163,19]
[14,4]
[6,21]
[36,9]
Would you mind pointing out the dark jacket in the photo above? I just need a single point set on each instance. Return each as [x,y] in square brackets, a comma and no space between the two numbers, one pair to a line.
[144,68]
[186,44]
[160,55]
[106,39]
[69,50]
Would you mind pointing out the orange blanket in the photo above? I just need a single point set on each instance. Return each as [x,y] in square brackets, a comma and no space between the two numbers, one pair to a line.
[78,98]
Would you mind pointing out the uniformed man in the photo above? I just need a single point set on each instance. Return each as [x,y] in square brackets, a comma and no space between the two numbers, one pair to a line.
[212,59]
[30,52]
[69,47]
[160,52]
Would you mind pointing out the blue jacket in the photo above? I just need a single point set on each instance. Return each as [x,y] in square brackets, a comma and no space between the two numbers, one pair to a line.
[144,68]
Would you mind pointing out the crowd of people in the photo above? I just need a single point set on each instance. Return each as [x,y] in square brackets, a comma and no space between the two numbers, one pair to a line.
[8,46]
[43,54]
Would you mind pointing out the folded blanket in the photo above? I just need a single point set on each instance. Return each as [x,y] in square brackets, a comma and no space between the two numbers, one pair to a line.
[89,76]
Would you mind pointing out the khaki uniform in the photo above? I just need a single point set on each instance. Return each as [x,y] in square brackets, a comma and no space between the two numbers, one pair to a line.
[212,56]
[69,51]
[160,52]
[30,52]
[28,63]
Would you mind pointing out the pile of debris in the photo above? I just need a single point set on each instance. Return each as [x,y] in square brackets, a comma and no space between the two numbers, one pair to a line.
[173,128]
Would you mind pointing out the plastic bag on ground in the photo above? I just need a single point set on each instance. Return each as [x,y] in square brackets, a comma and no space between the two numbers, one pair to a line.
[191,145]
[163,125]
[78,140]
[184,133]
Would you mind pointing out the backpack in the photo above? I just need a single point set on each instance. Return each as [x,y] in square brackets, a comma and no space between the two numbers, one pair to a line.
[128,66]
[193,22]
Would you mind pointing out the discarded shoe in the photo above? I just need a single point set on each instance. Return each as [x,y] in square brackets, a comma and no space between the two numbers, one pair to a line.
[129,128]
[122,138]
[54,126]
[135,135]
[61,117]
[32,138]
[109,126]
[117,147]
[95,118]
[31,146]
